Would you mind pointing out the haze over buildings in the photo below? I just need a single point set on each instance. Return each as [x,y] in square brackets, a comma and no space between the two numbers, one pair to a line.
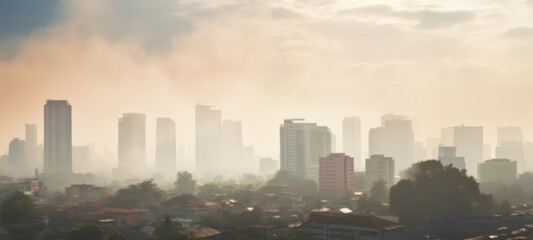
[165,147]
[132,143]
[57,137]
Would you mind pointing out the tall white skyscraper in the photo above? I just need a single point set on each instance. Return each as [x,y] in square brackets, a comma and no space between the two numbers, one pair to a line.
[301,147]
[468,142]
[208,131]
[165,146]
[394,139]
[351,140]
[57,137]
[31,146]
[132,143]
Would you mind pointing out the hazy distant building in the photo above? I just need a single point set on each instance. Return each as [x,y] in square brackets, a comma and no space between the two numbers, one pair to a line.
[432,147]
[4,164]
[132,143]
[231,147]
[268,166]
[351,140]
[395,139]
[336,174]
[528,155]
[17,157]
[379,167]
[419,152]
[250,162]
[487,151]
[31,146]
[301,146]
[497,170]
[208,124]
[333,143]
[448,156]
[468,142]
[81,159]
[57,137]
[511,146]
[165,146]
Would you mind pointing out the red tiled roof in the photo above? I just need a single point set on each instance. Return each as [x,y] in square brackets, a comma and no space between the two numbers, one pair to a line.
[126,210]
[351,220]
[184,200]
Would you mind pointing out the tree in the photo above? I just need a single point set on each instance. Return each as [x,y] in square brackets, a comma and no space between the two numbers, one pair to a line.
[87,232]
[209,191]
[431,187]
[185,184]
[289,235]
[367,204]
[304,187]
[116,236]
[379,191]
[143,194]
[17,208]
[168,230]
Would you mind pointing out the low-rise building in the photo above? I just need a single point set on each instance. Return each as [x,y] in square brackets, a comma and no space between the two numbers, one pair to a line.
[86,192]
[187,206]
[497,170]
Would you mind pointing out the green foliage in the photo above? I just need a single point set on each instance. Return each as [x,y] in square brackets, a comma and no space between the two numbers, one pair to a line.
[432,187]
[380,191]
[87,232]
[185,184]
[367,204]
[168,230]
[209,191]
[17,208]
[115,236]
[143,194]
[304,187]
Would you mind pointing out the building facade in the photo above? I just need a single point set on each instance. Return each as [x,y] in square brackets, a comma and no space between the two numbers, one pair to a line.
[379,167]
[336,174]
[497,170]
[447,156]
[208,127]
[351,140]
[132,143]
[165,146]
[57,137]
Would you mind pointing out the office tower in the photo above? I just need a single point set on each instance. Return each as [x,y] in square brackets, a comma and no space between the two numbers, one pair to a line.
[301,146]
[333,143]
[165,147]
[57,137]
[395,139]
[379,167]
[448,156]
[497,170]
[17,157]
[132,143]
[336,174]
[31,145]
[419,152]
[468,142]
[528,156]
[208,124]
[487,151]
[432,147]
[268,166]
[351,140]
[511,146]
[231,147]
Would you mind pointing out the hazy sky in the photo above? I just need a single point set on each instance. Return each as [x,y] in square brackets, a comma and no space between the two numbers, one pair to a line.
[442,62]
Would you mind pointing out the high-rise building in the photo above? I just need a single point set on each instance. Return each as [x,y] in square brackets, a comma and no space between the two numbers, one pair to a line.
[268,166]
[132,143]
[497,170]
[419,152]
[165,147]
[81,159]
[528,156]
[379,167]
[395,139]
[448,156]
[351,140]
[511,146]
[432,147]
[208,131]
[336,174]
[301,146]
[468,142]
[17,157]
[57,137]
[31,146]
[231,147]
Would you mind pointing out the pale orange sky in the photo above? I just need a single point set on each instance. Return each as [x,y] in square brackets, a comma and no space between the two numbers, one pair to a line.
[443,63]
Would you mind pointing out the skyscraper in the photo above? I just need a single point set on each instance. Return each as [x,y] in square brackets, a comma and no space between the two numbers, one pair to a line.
[31,145]
[57,137]
[351,140]
[231,147]
[17,157]
[447,156]
[511,146]
[132,143]
[379,167]
[468,142]
[336,174]
[165,146]
[208,127]
[301,146]
[395,139]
